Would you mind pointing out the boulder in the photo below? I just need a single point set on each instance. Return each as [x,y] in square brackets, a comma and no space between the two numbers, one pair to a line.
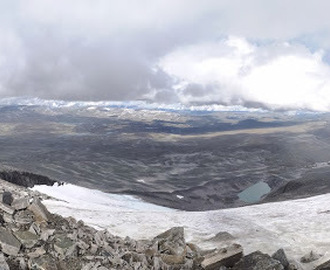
[281,257]
[27,238]
[7,208]
[323,266]
[9,244]
[223,257]
[172,241]
[173,259]
[3,263]
[64,245]
[45,234]
[24,217]
[35,228]
[8,218]
[6,198]
[258,261]
[222,237]
[45,262]
[19,204]
[39,210]
[310,257]
[37,252]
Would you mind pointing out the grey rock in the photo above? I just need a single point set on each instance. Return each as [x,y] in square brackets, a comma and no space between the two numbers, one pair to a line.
[39,210]
[8,218]
[222,237]
[258,261]
[35,228]
[64,245]
[9,244]
[21,203]
[173,259]
[3,263]
[224,257]
[88,266]
[45,234]
[100,238]
[323,266]
[281,257]
[7,208]
[172,241]
[93,249]
[6,198]
[45,262]
[22,265]
[310,257]
[37,252]
[26,238]
[24,217]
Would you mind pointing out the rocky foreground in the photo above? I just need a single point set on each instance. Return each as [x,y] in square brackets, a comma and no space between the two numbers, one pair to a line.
[33,238]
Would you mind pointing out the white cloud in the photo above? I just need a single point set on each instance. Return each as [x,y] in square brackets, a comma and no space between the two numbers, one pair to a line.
[276,75]
[106,49]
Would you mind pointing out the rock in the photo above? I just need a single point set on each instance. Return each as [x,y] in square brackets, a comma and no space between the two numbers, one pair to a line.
[172,241]
[100,238]
[39,210]
[64,245]
[173,259]
[45,262]
[35,229]
[8,218]
[7,208]
[310,257]
[3,263]
[222,237]
[281,257]
[9,244]
[292,267]
[323,266]
[20,204]
[224,257]
[24,217]
[88,266]
[21,263]
[37,252]
[45,234]
[27,238]
[258,261]
[7,198]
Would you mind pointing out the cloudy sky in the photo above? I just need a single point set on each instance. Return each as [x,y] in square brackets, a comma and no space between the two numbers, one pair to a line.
[273,54]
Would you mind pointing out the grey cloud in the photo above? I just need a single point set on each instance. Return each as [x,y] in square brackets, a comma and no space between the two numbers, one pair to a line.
[94,50]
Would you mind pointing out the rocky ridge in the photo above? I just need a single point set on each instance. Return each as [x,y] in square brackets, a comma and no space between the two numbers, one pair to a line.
[33,238]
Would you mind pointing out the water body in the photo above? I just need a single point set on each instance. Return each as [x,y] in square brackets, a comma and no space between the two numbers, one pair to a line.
[254,193]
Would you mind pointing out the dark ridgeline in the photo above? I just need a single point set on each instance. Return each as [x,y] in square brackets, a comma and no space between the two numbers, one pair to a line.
[26,179]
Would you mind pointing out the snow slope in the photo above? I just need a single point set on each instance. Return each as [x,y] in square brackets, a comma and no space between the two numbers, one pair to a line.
[298,226]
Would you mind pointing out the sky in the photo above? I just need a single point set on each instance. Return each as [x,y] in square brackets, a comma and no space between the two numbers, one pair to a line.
[271,54]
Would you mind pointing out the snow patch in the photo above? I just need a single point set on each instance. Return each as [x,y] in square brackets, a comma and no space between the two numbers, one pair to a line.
[298,226]
[141,180]
[180,197]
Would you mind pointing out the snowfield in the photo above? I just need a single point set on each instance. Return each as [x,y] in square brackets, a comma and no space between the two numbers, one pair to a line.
[298,226]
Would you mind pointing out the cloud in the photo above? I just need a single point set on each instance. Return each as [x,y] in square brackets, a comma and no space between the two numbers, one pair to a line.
[166,51]
[235,71]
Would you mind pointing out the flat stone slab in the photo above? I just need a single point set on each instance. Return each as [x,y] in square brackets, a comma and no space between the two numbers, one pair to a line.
[27,238]
[9,244]
[224,257]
